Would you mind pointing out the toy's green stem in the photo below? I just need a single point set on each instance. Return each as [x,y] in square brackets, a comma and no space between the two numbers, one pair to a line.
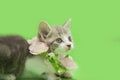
[55,63]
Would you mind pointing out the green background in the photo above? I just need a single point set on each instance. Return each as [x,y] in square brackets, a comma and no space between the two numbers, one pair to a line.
[95,28]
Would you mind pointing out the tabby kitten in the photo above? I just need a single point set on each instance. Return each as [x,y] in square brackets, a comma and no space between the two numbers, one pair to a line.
[13,54]
[59,40]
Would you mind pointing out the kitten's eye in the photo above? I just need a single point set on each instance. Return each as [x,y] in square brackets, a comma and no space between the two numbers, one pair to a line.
[59,40]
[69,38]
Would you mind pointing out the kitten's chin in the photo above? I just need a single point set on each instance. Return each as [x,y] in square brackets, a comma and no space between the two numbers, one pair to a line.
[61,51]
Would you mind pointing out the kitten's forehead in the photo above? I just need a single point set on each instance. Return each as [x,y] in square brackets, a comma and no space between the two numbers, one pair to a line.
[59,30]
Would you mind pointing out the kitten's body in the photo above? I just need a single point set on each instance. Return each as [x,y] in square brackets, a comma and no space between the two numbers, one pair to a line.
[13,54]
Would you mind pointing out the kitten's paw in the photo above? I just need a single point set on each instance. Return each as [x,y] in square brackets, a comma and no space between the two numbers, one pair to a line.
[10,77]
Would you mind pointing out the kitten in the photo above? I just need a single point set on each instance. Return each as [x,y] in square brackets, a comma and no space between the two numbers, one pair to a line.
[59,40]
[14,51]
[13,54]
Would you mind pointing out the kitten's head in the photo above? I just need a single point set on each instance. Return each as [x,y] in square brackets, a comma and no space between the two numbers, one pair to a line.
[58,38]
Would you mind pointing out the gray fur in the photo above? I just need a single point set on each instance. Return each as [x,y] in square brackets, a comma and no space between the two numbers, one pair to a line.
[13,54]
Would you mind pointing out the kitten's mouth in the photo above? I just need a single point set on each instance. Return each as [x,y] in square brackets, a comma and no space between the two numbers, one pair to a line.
[69,48]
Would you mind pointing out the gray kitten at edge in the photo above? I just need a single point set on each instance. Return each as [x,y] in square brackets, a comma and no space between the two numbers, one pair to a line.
[13,55]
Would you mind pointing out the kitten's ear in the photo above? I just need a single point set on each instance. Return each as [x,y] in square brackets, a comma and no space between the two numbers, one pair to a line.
[44,29]
[67,23]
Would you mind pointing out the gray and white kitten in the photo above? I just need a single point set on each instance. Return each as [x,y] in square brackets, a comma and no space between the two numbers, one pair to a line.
[59,40]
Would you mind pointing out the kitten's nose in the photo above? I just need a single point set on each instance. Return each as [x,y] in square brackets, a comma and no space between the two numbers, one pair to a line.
[69,46]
